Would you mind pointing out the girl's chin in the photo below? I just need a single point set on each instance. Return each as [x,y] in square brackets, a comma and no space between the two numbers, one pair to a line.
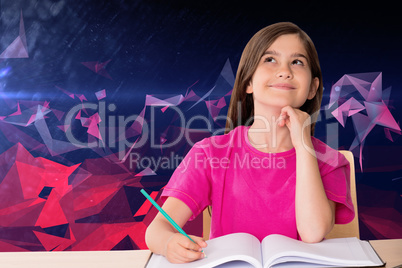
[275,104]
[278,103]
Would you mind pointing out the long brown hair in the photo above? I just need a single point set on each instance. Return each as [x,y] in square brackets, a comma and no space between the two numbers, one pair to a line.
[241,107]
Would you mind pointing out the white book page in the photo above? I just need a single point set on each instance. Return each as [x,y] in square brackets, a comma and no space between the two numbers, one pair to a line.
[368,249]
[239,246]
[338,251]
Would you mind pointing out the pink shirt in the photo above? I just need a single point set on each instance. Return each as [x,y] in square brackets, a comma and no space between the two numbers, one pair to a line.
[252,191]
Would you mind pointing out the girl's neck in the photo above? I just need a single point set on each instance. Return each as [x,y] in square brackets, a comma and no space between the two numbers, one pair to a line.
[266,136]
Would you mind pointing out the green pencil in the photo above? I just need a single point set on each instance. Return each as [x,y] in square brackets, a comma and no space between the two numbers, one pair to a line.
[175,225]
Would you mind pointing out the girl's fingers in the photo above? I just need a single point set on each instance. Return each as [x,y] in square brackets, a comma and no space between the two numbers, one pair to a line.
[199,241]
[188,255]
[187,244]
[184,255]
[281,121]
[180,249]
[298,122]
[189,250]
[288,112]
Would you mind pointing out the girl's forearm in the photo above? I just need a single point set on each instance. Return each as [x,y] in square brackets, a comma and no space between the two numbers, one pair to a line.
[157,235]
[314,212]
[160,231]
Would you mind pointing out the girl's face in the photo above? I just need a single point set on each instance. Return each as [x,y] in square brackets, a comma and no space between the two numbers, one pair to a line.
[283,75]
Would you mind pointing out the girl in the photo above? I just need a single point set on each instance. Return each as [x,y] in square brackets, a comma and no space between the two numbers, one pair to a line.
[267,175]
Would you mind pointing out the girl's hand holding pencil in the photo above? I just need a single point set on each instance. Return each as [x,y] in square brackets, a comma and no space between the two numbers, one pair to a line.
[179,247]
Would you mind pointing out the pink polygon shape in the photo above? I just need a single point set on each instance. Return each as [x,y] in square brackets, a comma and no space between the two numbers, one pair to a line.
[18,48]
[227,73]
[135,129]
[375,93]
[101,94]
[18,112]
[206,95]
[58,114]
[146,172]
[55,147]
[78,116]
[379,114]
[191,96]
[154,101]
[81,97]
[94,130]
[363,125]
[349,108]
[98,67]
[387,132]
[221,103]
[358,84]
[68,93]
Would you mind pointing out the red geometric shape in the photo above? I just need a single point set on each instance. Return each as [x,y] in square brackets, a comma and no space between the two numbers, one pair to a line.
[146,206]
[44,204]
[118,208]
[98,67]
[52,213]
[88,236]
[51,242]
[10,185]
[23,214]
[9,247]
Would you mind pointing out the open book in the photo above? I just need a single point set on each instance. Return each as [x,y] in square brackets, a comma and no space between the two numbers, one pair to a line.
[245,250]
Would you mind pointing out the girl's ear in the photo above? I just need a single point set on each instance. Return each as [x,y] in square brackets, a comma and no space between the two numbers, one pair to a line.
[249,88]
[314,87]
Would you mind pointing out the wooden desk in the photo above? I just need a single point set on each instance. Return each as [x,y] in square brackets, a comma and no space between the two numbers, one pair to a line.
[389,250]
[76,259]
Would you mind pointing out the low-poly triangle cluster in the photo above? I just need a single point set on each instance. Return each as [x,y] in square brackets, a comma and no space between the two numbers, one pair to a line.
[18,48]
[48,206]
[361,98]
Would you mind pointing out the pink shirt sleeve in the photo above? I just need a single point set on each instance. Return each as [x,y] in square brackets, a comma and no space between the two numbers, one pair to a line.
[335,174]
[191,182]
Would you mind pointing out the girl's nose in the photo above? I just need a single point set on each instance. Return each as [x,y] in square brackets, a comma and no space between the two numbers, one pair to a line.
[284,72]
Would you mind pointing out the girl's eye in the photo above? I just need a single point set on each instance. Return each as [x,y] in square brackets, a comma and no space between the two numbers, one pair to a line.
[269,59]
[297,62]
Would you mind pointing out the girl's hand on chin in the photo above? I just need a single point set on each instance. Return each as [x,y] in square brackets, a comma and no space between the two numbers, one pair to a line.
[298,123]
